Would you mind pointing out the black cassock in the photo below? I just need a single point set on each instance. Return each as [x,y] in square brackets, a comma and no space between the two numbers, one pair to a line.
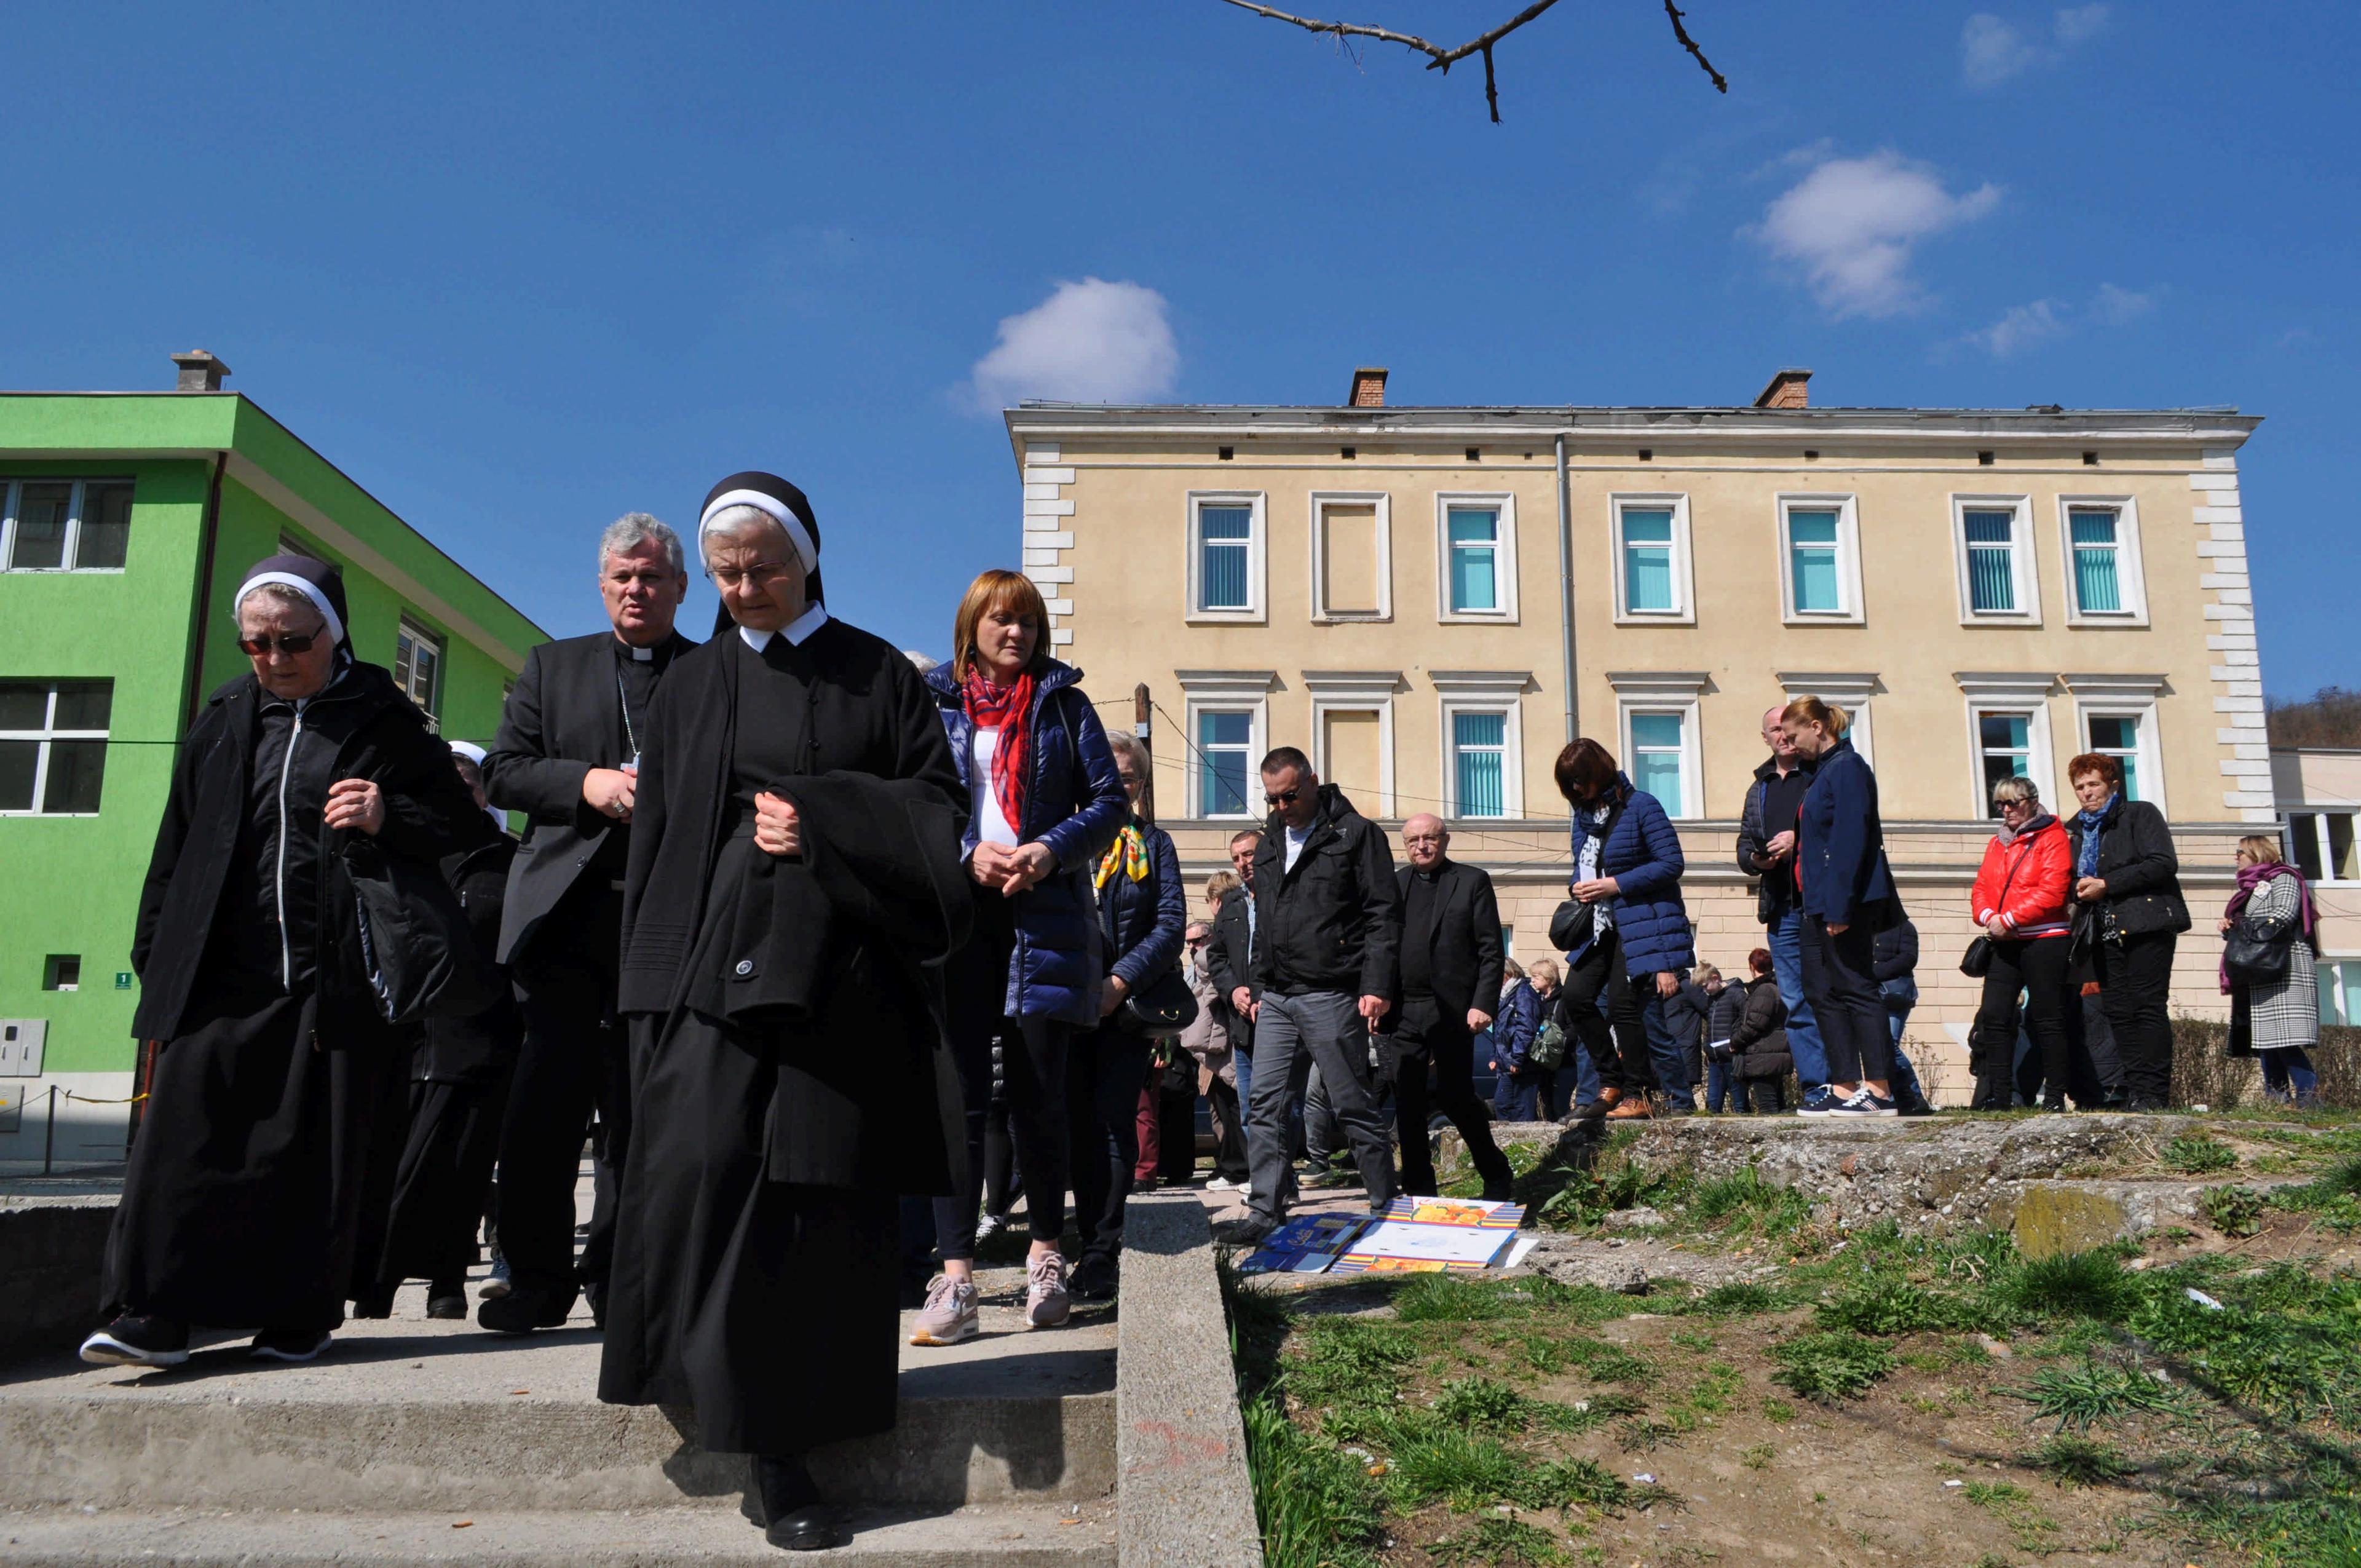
[790,1077]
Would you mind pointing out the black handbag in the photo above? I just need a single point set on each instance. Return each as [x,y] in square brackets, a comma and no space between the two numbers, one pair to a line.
[1570,927]
[416,952]
[2255,948]
[1976,962]
[1163,1010]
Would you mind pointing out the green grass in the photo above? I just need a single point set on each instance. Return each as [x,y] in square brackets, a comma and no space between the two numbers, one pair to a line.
[2199,1153]
[1756,1456]
[1831,1366]
[2232,1210]
[2072,1460]
[1504,1543]
[2071,1285]
[1739,1299]
[1319,1508]
[2014,1507]
[2091,1391]
[1886,1305]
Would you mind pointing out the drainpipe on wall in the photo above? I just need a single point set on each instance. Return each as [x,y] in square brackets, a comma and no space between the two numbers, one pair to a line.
[1565,589]
[200,621]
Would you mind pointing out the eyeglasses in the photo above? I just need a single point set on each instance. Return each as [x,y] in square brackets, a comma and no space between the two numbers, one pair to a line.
[760,573]
[289,642]
[1196,941]
[1284,797]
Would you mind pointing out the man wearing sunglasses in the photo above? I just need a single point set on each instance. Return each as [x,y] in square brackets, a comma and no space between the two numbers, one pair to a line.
[1328,928]
[567,756]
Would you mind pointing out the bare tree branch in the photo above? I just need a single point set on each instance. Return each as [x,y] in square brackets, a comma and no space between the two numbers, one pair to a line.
[1720,83]
[1438,58]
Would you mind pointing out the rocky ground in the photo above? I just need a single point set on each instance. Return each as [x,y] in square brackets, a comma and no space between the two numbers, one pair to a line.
[1968,1341]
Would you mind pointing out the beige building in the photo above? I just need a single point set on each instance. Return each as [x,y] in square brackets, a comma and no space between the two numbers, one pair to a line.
[2319,792]
[1431,600]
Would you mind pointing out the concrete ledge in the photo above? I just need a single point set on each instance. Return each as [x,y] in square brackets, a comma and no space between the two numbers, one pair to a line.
[52,1251]
[1183,1498]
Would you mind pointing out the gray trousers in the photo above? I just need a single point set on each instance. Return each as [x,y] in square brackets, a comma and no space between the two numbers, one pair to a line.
[1291,1034]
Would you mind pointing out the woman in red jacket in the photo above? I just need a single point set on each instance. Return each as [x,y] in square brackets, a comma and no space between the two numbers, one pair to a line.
[2020,901]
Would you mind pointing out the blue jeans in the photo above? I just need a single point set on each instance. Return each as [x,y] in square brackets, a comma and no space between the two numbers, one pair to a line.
[1905,1081]
[1668,1056]
[1719,1086]
[1517,1097]
[2287,1074]
[1785,941]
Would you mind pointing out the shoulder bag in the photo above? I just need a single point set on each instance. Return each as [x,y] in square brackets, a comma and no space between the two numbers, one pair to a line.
[2255,948]
[1976,962]
[1164,1009]
[1573,922]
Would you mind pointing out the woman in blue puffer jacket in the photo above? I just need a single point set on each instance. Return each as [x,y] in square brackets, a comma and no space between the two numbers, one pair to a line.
[1626,873]
[1045,802]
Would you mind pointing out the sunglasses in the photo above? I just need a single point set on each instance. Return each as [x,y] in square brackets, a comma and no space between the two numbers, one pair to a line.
[288,642]
[1196,941]
[1284,797]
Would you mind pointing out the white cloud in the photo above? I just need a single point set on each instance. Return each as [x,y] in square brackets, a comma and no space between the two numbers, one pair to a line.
[1092,342]
[2022,326]
[1851,224]
[2119,306]
[1993,51]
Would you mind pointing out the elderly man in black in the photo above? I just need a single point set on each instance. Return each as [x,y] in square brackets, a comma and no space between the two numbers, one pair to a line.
[567,756]
[1451,967]
[794,881]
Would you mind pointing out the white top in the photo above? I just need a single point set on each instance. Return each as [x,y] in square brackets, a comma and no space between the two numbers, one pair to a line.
[801,627]
[984,806]
[1295,840]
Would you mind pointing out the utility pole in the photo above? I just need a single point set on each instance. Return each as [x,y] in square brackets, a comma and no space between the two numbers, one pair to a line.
[1140,711]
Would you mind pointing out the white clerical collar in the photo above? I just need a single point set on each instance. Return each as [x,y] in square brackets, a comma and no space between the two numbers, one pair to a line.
[641,655]
[801,627]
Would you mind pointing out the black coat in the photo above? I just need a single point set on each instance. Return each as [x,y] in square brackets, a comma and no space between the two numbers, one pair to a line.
[563,719]
[2137,863]
[381,737]
[1760,1041]
[1334,922]
[482,1048]
[1229,960]
[1462,934]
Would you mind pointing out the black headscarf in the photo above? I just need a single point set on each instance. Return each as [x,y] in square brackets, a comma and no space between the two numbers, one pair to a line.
[787,506]
[318,581]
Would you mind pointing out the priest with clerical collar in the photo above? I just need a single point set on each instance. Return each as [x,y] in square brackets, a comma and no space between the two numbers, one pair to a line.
[794,872]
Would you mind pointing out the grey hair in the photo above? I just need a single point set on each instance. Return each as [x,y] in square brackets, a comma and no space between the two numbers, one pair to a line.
[1125,743]
[279,593]
[2017,787]
[635,528]
[732,522]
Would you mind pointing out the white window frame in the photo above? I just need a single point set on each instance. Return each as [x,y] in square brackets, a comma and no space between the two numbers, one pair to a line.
[1849,611]
[2334,964]
[2322,842]
[2024,573]
[1355,691]
[1256,610]
[2009,693]
[418,632]
[1482,691]
[1321,502]
[1504,557]
[1224,691]
[48,732]
[1684,610]
[1676,692]
[12,493]
[2114,696]
[1852,690]
[2131,576]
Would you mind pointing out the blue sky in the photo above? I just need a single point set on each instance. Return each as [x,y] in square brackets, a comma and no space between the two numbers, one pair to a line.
[518,269]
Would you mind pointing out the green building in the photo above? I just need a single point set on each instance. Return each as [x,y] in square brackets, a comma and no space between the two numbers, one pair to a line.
[125,519]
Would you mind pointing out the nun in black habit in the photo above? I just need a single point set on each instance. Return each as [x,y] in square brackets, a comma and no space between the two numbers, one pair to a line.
[793,881]
[241,1204]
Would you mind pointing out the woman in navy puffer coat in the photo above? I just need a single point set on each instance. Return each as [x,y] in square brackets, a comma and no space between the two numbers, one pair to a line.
[1045,802]
[1627,872]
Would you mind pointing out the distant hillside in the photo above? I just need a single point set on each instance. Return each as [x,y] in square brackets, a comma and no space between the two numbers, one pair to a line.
[2329,717]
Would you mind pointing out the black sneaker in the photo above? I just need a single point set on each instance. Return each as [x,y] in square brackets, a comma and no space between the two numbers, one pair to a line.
[523,1309]
[447,1299]
[289,1344]
[138,1339]
[1093,1279]
[1252,1231]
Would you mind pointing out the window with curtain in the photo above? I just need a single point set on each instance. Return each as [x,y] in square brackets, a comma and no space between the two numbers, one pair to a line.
[1479,763]
[53,746]
[1812,562]
[1225,736]
[1225,540]
[1474,546]
[1656,759]
[418,666]
[2096,533]
[2118,735]
[2006,741]
[1648,561]
[66,525]
[1991,562]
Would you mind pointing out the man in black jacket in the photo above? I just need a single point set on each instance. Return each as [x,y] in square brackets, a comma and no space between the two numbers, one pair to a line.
[1328,923]
[1451,966]
[567,756]
[1229,962]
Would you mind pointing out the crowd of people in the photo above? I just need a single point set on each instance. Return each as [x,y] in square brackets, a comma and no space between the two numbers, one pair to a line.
[832,954]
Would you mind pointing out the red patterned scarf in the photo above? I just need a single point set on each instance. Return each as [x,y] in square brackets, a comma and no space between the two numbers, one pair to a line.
[1008,710]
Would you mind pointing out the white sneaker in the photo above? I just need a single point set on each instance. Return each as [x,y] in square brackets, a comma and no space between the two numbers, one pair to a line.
[989,1226]
[1224,1184]
[1046,1302]
[949,1315]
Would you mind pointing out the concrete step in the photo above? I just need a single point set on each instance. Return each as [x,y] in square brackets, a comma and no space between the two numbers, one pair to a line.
[406,1413]
[999,1536]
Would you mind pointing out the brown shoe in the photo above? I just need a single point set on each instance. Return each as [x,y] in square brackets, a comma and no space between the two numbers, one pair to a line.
[1634,1110]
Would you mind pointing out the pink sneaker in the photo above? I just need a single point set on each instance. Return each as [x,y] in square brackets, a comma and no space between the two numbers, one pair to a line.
[949,1314]
[1046,1304]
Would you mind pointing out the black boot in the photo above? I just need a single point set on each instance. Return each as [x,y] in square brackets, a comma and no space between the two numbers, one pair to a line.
[795,1519]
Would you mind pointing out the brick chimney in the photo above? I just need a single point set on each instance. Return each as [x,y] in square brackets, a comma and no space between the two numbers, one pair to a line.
[1789,388]
[1369,387]
[200,371]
